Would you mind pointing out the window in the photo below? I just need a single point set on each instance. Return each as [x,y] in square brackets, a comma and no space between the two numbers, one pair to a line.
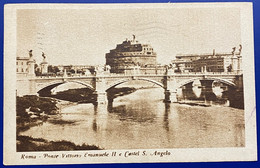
[22,63]
[16,63]
[17,70]
[22,69]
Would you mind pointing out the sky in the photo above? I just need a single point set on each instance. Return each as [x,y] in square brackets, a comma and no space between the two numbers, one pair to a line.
[84,36]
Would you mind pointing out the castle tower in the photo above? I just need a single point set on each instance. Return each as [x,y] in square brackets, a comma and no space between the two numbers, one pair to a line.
[44,65]
[31,64]
[131,53]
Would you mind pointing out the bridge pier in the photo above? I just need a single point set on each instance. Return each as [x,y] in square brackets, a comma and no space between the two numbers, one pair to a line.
[170,96]
[101,97]
[100,90]
[206,85]
[206,91]
[170,89]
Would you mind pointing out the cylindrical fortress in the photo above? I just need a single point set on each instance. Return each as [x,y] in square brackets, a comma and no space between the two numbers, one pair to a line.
[129,54]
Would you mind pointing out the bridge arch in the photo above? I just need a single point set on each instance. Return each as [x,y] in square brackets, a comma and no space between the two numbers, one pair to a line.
[116,83]
[230,83]
[52,85]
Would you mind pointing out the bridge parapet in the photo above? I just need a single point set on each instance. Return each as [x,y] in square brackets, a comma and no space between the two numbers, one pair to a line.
[102,82]
[150,74]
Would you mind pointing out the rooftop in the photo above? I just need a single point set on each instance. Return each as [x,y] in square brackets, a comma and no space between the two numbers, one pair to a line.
[206,54]
[22,58]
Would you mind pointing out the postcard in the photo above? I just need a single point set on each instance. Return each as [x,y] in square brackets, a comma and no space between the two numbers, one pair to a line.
[128,83]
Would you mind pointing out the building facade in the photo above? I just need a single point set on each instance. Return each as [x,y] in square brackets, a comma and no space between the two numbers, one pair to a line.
[131,56]
[25,66]
[215,62]
[22,65]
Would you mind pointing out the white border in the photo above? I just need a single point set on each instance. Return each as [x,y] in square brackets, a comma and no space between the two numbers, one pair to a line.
[247,153]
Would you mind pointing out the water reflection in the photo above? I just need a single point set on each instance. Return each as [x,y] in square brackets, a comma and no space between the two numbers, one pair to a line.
[197,91]
[132,113]
[166,116]
[212,93]
[141,120]
[239,134]
[100,117]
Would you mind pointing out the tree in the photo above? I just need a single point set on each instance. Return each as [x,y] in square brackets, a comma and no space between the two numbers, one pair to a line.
[72,71]
[50,69]
[53,69]
[56,69]
[37,70]
[79,71]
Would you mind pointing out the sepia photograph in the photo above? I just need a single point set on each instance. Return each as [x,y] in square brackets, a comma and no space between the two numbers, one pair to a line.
[129,83]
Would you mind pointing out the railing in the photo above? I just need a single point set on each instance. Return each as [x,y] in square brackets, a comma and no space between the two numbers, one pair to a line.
[140,74]
[209,73]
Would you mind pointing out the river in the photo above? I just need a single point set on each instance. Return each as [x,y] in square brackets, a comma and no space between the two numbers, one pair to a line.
[141,120]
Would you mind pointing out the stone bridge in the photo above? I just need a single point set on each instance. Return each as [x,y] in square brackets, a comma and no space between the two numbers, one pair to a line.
[101,83]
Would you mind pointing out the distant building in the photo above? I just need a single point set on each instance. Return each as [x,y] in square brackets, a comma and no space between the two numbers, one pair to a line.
[80,69]
[25,66]
[132,57]
[22,65]
[215,62]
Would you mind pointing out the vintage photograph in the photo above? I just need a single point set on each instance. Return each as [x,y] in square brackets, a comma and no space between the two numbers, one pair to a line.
[130,77]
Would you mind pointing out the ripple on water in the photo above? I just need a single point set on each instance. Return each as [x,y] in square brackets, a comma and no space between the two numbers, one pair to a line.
[142,120]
